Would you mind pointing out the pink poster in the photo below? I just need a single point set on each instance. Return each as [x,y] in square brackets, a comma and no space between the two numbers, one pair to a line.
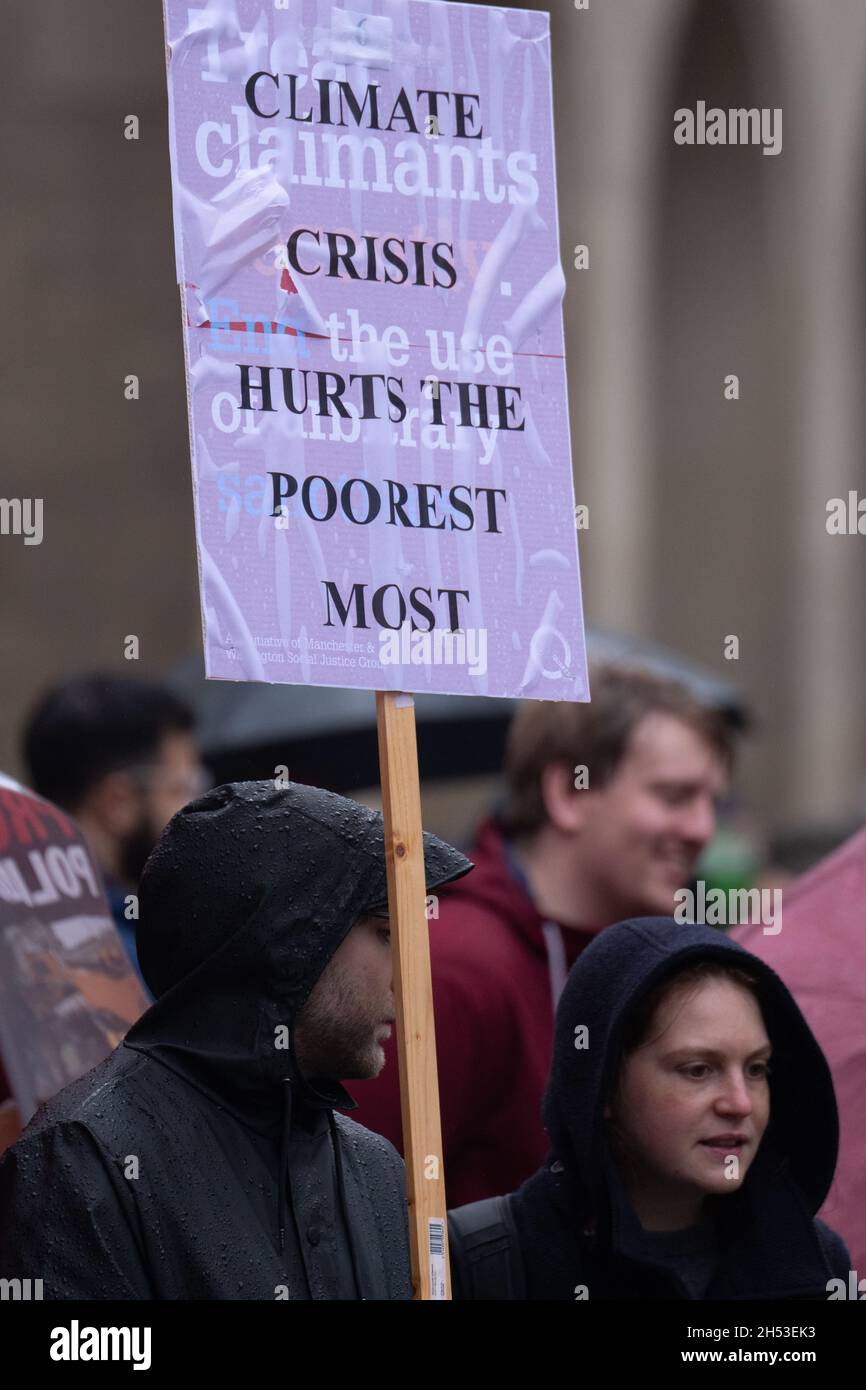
[367,244]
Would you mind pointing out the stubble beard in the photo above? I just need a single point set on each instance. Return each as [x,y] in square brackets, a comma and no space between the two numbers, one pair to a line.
[335,1037]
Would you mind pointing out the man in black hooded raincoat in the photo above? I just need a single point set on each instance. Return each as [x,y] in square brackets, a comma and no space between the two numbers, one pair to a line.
[197,1162]
[571,1232]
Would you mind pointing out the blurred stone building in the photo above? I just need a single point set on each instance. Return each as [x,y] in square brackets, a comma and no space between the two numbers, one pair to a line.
[707,515]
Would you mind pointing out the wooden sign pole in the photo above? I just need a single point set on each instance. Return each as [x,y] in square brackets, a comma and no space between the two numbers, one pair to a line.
[416,1041]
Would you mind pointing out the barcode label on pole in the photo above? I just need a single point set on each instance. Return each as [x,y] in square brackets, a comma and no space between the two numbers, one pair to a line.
[436,1239]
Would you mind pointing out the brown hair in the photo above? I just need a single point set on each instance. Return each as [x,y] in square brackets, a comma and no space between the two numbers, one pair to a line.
[595,734]
[638,1025]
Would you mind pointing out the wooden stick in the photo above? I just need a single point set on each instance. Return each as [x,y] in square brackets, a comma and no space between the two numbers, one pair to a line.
[416,1041]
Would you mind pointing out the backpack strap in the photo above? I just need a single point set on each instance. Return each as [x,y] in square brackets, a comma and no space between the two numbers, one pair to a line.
[485,1252]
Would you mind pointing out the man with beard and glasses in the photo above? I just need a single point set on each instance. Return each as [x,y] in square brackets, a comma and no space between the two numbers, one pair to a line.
[204,1159]
[120,756]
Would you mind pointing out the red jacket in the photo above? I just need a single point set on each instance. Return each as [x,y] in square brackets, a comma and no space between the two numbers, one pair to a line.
[495,964]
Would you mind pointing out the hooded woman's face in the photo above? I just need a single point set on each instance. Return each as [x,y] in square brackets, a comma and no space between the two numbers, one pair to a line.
[693,1102]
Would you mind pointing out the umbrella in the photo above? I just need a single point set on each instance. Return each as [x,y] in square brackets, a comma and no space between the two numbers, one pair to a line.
[327,735]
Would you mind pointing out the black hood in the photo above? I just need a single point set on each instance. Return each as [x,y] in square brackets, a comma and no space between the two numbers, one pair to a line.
[606,983]
[242,903]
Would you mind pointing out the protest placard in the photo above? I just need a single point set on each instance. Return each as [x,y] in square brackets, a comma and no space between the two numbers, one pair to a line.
[368,255]
[67,991]
[366,233]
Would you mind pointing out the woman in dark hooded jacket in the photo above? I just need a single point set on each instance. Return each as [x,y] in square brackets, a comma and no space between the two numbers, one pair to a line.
[693,1137]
